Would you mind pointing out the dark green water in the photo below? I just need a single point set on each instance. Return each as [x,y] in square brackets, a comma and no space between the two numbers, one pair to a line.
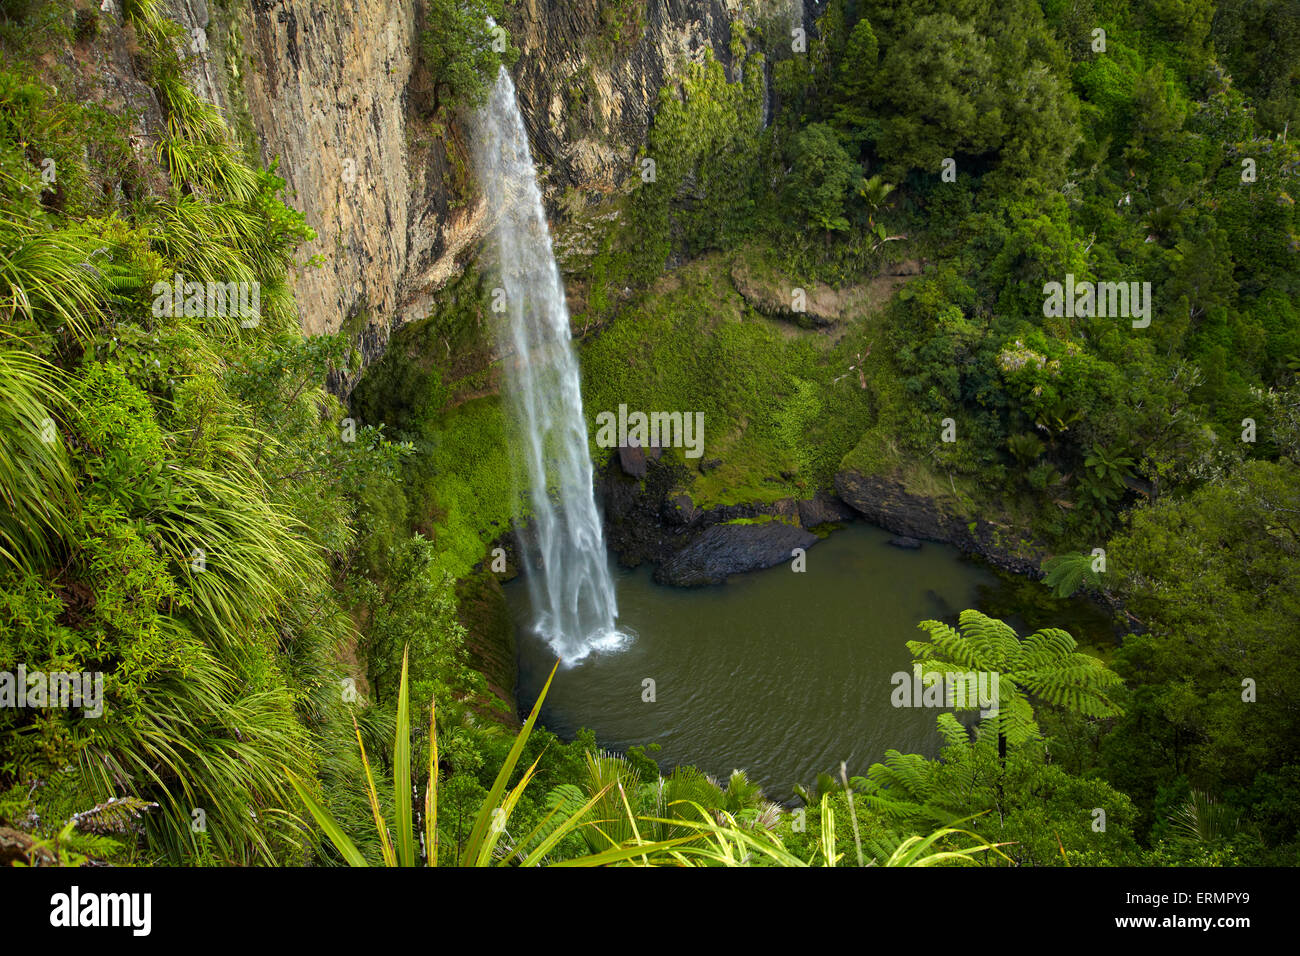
[779,673]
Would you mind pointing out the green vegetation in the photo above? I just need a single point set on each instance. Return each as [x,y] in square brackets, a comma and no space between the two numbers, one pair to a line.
[1044,664]
[835,269]
[187,511]
[460,52]
[1163,158]
[619,820]
[697,346]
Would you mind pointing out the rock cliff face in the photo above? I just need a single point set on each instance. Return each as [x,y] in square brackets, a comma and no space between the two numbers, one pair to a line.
[590,75]
[322,87]
[329,88]
[886,503]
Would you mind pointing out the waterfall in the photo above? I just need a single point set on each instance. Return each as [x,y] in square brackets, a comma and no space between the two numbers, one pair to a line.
[568,578]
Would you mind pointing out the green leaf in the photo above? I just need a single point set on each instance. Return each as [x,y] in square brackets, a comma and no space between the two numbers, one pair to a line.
[327,823]
[480,830]
[402,772]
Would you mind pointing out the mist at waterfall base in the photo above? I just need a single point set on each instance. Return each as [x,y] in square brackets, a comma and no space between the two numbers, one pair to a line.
[566,565]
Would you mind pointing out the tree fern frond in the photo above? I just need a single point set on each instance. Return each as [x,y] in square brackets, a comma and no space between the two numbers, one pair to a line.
[995,642]
[946,645]
[1046,646]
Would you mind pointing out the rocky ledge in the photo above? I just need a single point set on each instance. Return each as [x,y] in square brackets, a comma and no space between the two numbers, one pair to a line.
[886,502]
[726,549]
[648,517]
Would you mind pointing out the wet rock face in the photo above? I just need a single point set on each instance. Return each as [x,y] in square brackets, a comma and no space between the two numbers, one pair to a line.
[590,74]
[824,509]
[727,549]
[635,523]
[886,503]
[654,519]
[679,510]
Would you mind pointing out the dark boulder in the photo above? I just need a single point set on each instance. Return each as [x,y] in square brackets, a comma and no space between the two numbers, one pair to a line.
[908,544]
[631,458]
[680,510]
[726,549]
[824,509]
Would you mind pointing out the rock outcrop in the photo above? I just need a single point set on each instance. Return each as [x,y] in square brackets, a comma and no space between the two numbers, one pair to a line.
[886,502]
[822,509]
[727,549]
[651,518]
[815,305]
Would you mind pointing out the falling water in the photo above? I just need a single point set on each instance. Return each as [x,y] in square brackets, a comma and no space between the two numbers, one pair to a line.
[568,577]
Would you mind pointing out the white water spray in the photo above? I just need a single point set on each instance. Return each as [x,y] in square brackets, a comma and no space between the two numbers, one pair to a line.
[569,581]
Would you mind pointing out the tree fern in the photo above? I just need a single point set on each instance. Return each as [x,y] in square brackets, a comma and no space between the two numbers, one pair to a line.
[1066,573]
[1045,664]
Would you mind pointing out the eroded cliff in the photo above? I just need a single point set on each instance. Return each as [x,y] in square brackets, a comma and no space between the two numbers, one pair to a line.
[331,91]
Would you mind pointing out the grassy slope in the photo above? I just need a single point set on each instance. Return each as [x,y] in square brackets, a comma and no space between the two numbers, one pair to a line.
[773,411]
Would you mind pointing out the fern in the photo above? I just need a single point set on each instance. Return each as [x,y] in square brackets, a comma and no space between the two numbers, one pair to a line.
[1067,573]
[1045,664]
[115,815]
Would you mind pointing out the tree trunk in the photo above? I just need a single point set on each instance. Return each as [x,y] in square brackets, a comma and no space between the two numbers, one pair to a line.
[1002,770]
